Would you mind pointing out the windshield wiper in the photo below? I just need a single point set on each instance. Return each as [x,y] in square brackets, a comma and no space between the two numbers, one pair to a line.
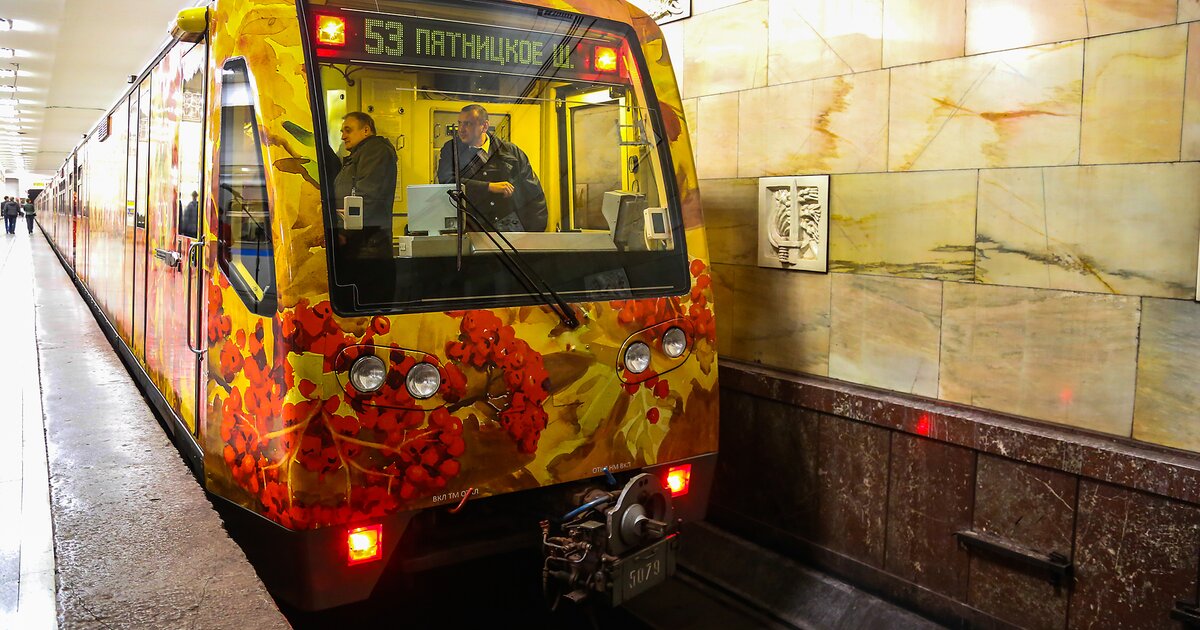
[513,260]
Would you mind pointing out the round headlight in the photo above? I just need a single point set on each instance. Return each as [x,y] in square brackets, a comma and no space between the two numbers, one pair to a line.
[423,380]
[368,373]
[637,357]
[674,343]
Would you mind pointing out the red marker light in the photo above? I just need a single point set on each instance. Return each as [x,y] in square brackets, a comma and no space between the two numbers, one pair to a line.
[331,30]
[606,59]
[679,479]
[923,425]
[364,544]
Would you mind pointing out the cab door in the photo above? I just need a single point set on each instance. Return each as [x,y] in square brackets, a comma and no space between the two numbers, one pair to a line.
[175,199]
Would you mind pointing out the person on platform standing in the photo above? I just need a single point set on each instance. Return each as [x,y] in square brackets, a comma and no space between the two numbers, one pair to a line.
[11,210]
[30,212]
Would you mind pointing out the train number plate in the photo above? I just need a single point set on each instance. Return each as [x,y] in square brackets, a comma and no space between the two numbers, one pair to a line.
[639,572]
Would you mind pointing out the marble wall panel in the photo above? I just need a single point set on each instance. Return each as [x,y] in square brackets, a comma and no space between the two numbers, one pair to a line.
[922,30]
[1065,357]
[704,6]
[917,225]
[725,308]
[766,440]
[731,219]
[1033,508]
[811,39]
[726,49]
[836,125]
[852,488]
[1136,555]
[1133,96]
[1191,96]
[673,35]
[782,319]
[1002,24]
[929,499]
[1012,108]
[1115,16]
[1125,229]
[1168,377]
[885,332]
[1189,10]
[717,138]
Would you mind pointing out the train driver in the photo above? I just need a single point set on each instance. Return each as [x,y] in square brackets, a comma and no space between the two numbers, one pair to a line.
[496,174]
[368,172]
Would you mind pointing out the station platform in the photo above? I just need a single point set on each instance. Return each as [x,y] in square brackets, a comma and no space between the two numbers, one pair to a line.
[105,525]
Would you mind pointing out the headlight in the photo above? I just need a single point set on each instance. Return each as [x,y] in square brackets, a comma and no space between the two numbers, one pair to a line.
[368,373]
[637,357]
[423,380]
[674,343]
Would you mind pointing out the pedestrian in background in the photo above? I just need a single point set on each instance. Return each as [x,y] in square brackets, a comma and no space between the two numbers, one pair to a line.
[11,210]
[29,212]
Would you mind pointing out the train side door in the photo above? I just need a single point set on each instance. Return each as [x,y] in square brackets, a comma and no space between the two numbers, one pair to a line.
[140,163]
[176,153]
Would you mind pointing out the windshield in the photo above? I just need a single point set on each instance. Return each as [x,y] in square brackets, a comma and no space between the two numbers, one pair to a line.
[541,119]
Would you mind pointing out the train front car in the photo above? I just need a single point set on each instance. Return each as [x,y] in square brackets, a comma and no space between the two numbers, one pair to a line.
[405,371]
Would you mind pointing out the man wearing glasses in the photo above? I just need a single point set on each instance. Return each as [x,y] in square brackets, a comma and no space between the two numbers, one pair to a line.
[496,175]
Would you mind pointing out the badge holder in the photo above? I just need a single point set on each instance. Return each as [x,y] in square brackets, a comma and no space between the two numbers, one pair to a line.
[352,212]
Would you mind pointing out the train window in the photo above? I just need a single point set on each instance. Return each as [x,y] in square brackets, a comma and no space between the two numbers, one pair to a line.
[191,141]
[547,121]
[244,248]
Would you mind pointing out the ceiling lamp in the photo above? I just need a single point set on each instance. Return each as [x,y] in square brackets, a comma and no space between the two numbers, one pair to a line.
[6,24]
[7,53]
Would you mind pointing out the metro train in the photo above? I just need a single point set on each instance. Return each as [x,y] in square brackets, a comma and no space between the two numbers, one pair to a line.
[482,388]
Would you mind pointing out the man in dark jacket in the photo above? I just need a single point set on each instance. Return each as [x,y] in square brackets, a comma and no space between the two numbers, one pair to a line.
[30,212]
[496,174]
[368,172]
[11,209]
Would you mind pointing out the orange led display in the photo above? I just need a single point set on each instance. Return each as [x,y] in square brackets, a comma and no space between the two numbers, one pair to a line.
[606,59]
[331,30]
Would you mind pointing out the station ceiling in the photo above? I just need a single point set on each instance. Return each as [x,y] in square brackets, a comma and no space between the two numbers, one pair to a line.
[71,60]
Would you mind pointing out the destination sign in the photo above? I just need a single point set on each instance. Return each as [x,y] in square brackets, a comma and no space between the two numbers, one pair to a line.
[360,36]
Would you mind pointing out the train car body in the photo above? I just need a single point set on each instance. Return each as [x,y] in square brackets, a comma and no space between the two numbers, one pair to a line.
[373,414]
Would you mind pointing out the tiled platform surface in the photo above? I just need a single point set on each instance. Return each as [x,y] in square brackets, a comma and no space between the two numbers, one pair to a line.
[134,541]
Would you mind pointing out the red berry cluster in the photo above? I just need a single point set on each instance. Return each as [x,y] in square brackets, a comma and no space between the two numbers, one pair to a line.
[487,344]
[700,312]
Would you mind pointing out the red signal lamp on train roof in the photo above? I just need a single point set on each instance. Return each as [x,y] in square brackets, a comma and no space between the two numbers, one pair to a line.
[364,544]
[331,30]
[605,59]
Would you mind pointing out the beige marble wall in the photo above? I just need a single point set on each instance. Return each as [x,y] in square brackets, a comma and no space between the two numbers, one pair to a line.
[1191,97]
[1012,108]
[1012,183]
[811,39]
[781,318]
[1002,24]
[885,332]
[922,30]
[1188,10]
[1127,229]
[917,225]
[726,49]
[731,219]
[836,125]
[1059,356]
[1167,400]
[1133,96]
[1114,16]
[717,136]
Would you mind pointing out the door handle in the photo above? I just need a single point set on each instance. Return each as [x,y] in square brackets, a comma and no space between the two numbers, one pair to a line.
[193,263]
[168,256]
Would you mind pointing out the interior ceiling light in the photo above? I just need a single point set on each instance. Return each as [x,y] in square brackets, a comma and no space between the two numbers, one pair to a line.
[6,24]
[8,72]
[7,53]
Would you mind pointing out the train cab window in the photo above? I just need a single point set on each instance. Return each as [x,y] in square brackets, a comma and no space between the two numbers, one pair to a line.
[546,122]
[244,248]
